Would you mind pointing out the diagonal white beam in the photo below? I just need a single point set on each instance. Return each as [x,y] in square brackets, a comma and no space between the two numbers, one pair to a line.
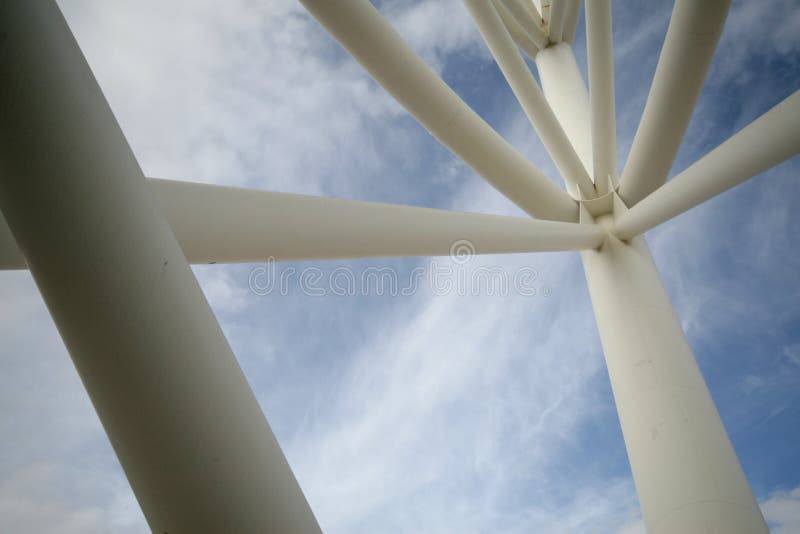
[573,11]
[530,97]
[520,37]
[694,30]
[764,143]
[523,16]
[216,224]
[372,41]
[601,92]
[557,11]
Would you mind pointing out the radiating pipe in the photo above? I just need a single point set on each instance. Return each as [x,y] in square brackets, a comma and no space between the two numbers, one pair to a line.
[767,141]
[216,224]
[573,11]
[557,11]
[601,93]
[694,30]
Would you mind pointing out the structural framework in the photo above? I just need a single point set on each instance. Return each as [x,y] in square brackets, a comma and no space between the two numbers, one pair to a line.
[110,249]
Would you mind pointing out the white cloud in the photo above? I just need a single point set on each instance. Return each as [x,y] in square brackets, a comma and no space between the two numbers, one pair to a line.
[782,511]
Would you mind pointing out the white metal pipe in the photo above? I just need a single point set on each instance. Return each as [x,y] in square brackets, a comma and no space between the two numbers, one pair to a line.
[600,54]
[178,411]
[558,10]
[526,20]
[372,41]
[565,90]
[689,45]
[686,472]
[530,97]
[227,224]
[573,11]
[772,138]
[520,37]
[216,224]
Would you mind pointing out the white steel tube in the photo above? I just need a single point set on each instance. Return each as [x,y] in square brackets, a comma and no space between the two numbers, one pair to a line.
[216,224]
[178,411]
[372,41]
[521,38]
[691,39]
[565,90]
[686,472]
[530,97]
[600,54]
[764,143]
[573,11]
[558,10]
[527,22]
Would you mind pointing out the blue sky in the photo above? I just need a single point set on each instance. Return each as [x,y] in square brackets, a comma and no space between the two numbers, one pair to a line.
[422,413]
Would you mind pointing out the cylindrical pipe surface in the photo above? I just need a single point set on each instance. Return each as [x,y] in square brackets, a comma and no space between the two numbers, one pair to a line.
[177,408]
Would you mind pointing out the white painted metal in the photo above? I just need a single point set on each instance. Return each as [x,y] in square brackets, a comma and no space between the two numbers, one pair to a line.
[215,224]
[686,472]
[530,97]
[573,11]
[558,10]
[520,36]
[601,93]
[764,143]
[565,90]
[527,21]
[694,30]
[178,411]
[372,41]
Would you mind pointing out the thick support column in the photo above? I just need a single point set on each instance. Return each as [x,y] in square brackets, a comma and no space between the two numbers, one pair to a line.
[687,475]
[178,411]
[686,472]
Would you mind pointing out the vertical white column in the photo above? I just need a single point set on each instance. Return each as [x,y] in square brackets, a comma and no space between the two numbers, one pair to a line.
[178,411]
[565,90]
[686,472]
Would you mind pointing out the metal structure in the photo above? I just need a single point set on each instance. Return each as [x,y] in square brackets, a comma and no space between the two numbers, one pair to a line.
[110,249]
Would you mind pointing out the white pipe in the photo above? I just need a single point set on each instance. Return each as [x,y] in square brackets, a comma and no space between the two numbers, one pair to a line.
[557,12]
[694,30]
[685,469]
[527,22]
[565,90]
[772,138]
[601,93]
[521,38]
[187,429]
[686,472]
[216,224]
[372,41]
[529,95]
[573,11]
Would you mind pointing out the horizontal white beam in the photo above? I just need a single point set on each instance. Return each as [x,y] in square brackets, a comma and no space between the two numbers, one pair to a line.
[694,30]
[216,224]
[557,11]
[530,97]
[520,37]
[372,41]
[764,143]
[526,21]
[571,19]
[601,92]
